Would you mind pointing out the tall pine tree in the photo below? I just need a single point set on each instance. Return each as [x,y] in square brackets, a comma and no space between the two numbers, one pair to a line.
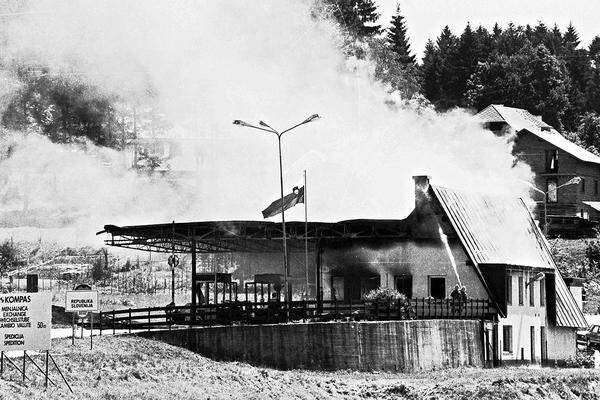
[430,72]
[368,16]
[359,17]
[398,40]
[466,62]
[578,65]
[447,44]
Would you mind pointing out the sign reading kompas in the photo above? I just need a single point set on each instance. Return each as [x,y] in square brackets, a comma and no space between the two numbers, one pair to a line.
[25,321]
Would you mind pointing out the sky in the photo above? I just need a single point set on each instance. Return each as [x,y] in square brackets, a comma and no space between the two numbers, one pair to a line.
[425,19]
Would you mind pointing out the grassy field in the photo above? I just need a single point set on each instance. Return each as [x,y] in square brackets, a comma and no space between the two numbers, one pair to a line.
[134,368]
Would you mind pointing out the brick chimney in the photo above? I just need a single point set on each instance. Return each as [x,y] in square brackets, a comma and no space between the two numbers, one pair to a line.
[423,219]
[421,192]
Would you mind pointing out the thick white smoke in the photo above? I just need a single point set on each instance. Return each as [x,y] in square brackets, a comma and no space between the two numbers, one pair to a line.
[213,62]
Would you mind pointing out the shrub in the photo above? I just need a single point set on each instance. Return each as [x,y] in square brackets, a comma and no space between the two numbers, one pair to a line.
[385,294]
[391,296]
[582,359]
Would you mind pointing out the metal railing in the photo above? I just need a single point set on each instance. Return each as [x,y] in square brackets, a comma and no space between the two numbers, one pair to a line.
[135,319]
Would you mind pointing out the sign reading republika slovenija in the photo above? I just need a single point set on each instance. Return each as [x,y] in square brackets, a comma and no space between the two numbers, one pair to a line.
[25,321]
[82,300]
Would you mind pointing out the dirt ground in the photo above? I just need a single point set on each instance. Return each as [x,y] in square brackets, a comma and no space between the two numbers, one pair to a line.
[124,367]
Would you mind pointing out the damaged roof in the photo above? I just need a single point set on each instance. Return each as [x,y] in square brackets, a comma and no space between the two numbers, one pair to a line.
[496,230]
[520,119]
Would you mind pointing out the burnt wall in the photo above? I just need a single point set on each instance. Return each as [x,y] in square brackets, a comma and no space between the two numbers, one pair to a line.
[406,346]
[420,258]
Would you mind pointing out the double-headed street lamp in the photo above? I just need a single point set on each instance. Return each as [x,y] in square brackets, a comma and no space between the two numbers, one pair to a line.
[573,181]
[265,127]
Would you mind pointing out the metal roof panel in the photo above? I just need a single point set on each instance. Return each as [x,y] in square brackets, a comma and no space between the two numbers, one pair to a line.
[496,230]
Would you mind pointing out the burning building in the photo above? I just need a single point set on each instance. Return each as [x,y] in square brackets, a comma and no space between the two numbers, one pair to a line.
[489,245]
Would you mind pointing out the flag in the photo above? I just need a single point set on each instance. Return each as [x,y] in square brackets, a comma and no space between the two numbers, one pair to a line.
[289,201]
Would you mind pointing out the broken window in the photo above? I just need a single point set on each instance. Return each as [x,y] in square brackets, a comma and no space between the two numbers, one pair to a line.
[520,290]
[337,288]
[437,287]
[404,285]
[532,294]
[507,338]
[551,160]
[543,292]
[509,290]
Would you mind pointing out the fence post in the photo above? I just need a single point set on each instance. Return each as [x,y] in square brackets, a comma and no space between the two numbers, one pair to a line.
[148,320]
[129,319]
[304,312]
[350,303]
[100,322]
[113,321]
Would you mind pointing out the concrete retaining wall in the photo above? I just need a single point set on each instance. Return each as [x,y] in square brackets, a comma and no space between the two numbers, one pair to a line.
[392,345]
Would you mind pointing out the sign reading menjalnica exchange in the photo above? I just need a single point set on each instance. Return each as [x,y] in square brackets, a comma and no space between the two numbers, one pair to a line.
[25,321]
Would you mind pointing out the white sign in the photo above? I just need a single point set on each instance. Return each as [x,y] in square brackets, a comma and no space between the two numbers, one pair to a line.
[25,321]
[82,300]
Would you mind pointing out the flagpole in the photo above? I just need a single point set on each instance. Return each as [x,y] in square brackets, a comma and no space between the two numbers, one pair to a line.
[306,235]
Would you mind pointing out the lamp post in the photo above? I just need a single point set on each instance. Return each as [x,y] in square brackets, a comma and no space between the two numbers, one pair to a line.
[265,127]
[573,181]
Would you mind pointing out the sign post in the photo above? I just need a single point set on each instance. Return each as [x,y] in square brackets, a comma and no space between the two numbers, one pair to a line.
[173,262]
[83,301]
[25,321]
[25,325]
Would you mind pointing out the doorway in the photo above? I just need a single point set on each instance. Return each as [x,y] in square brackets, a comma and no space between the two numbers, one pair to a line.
[543,345]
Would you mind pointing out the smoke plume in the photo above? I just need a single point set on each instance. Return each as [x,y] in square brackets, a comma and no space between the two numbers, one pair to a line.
[210,63]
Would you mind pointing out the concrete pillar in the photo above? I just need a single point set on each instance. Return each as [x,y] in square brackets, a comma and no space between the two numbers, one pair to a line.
[193,243]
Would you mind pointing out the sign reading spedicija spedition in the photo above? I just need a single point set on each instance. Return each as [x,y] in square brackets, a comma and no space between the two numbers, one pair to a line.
[25,321]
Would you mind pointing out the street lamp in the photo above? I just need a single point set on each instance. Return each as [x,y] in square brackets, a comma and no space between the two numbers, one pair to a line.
[573,181]
[534,278]
[265,127]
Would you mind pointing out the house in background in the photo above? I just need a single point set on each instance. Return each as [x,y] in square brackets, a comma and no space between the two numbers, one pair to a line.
[573,210]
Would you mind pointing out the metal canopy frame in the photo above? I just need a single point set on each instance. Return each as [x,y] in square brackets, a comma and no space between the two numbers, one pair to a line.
[245,236]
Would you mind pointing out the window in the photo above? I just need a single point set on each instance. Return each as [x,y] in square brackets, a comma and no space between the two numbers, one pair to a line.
[532,294]
[543,292]
[507,338]
[404,285]
[521,290]
[437,287]
[551,189]
[508,290]
[582,185]
[551,160]
[337,288]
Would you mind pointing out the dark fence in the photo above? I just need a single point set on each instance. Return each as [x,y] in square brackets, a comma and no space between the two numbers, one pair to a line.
[280,312]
